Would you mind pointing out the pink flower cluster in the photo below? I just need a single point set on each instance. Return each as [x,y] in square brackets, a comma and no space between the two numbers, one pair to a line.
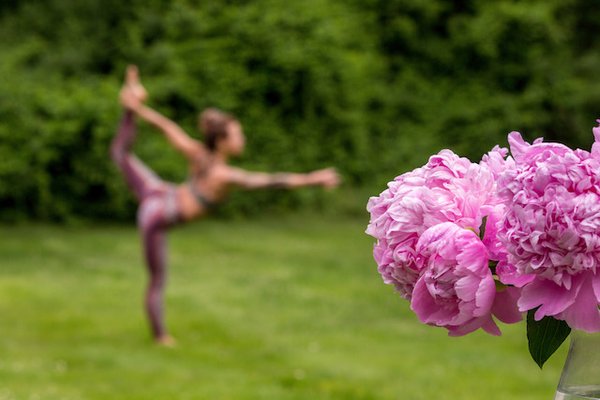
[540,210]
[551,230]
[427,224]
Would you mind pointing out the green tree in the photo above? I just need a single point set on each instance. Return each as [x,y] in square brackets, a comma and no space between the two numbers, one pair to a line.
[371,86]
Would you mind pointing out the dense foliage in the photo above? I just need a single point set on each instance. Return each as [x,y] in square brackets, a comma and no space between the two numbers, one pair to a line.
[370,86]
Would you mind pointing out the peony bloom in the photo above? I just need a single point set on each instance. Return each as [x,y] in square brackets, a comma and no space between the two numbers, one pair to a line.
[447,189]
[551,230]
[456,289]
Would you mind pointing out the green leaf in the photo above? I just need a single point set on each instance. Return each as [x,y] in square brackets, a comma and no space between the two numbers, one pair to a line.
[545,336]
[493,264]
[482,228]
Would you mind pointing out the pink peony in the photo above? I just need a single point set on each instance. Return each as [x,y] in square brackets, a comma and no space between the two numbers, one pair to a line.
[447,189]
[551,230]
[456,289]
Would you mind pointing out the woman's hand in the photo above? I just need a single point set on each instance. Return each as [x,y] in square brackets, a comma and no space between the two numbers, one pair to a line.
[328,178]
[128,99]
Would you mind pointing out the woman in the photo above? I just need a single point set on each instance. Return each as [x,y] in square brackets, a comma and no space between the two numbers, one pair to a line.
[162,204]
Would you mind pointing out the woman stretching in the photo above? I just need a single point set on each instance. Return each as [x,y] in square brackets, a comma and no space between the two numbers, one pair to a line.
[163,204]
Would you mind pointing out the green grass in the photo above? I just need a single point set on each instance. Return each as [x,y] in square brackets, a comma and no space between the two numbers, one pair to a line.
[274,308]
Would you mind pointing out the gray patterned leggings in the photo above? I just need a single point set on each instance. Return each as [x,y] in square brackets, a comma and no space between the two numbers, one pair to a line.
[157,212]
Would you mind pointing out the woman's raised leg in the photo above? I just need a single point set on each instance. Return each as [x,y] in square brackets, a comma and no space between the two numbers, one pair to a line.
[139,178]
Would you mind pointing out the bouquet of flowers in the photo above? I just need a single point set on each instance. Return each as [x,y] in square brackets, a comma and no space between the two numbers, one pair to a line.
[472,244]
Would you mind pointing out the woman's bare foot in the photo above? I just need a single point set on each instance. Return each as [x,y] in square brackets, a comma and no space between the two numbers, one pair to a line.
[166,341]
[133,93]
[132,80]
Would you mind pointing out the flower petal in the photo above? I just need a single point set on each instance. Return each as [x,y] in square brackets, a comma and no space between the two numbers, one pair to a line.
[505,306]
[552,298]
[584,313]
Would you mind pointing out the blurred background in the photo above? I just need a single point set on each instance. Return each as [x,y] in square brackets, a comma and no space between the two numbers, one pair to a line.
[372,87]
[286,302]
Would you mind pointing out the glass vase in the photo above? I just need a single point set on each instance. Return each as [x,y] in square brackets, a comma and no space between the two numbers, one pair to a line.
[580,378]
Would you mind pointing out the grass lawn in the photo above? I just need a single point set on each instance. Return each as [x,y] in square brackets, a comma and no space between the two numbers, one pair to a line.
[273,308]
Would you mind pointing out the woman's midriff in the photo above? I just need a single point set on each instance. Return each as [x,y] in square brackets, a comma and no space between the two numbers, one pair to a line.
[187,205]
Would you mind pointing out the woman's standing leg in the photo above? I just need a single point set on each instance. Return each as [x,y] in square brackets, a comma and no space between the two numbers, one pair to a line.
[153,224]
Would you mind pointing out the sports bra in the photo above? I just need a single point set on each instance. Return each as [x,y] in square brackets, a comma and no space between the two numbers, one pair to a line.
[201,199]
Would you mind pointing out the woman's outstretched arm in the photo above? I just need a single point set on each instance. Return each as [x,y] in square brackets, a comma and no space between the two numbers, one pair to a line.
[327,177]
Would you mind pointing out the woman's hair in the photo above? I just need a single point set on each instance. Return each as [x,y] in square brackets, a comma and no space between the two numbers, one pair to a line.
[213,123]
